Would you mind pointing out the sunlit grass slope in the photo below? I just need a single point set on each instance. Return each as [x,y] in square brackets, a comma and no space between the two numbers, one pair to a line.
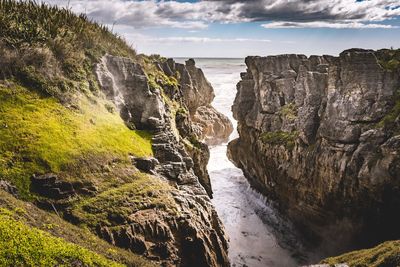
[39,135]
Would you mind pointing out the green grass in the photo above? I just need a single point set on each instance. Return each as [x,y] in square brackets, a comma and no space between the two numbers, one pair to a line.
[52,49]
[40,135]
[386,254]
[113,206]
[287,139]
[389,59]
[21,245]
[289,111]
[49,222]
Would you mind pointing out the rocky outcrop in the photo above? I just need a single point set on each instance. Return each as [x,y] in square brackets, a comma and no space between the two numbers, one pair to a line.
[209,125]
[190,233]
[320,136]
[125,83]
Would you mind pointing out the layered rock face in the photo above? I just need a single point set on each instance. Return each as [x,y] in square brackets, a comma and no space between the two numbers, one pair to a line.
[125,83]
[208,124]
[189,233]
[320,135]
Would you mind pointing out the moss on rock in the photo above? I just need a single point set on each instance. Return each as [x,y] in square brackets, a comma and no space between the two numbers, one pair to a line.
[113,206]
[386,254]
[287,139]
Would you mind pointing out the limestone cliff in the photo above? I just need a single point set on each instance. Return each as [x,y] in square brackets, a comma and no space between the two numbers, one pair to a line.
[320,136]
[191,235]
[208,124]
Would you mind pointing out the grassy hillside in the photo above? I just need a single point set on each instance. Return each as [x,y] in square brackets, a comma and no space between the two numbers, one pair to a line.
[55,119]
[39,135]
[53,116]
[385,255]
[52,49]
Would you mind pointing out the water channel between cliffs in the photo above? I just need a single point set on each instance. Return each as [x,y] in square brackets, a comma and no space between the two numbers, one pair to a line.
[258,237]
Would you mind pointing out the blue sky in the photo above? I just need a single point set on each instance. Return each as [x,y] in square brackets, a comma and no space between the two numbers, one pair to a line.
[237,28]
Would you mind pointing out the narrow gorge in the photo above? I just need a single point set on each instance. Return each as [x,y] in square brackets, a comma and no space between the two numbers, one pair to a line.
[109,157]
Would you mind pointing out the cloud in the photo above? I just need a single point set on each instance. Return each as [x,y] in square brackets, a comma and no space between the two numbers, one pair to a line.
[275,13]
[180,39]
[325,24]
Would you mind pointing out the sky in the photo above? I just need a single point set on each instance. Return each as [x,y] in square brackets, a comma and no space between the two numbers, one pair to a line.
[238,28]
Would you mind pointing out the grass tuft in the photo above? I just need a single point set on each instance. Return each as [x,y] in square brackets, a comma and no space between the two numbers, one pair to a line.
[287,139]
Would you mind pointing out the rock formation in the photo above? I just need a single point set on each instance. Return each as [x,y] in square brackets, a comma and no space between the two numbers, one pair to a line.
[208,124]
[193,235]
[320,136]
[125,83]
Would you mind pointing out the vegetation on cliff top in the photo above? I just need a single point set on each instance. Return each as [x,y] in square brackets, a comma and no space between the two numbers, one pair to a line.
[52,48]
[386,254]
[389,59]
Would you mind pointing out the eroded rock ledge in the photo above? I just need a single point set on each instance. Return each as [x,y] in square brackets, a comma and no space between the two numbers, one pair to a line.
[209,125]
[320,136]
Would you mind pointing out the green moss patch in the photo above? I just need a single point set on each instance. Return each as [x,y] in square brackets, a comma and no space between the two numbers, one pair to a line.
[21,245]
[389,59]
[36,218]
[289,111]
[40,135]
[287,139]
[388,121]
[112,207]
[386,254]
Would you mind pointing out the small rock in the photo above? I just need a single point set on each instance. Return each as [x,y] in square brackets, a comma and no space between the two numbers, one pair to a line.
[9,188]
[146,164]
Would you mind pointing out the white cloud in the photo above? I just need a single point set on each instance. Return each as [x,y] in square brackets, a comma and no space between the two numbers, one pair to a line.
[197,15]
[192,39]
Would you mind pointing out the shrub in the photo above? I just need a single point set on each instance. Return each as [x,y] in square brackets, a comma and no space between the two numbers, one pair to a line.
[280,138]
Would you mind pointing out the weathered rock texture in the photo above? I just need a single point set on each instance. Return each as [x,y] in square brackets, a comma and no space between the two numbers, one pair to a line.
[320,135]
[125,83]
[191,235]
[208,124]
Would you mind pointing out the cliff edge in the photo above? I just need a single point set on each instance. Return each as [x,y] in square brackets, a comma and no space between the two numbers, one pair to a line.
[319,135]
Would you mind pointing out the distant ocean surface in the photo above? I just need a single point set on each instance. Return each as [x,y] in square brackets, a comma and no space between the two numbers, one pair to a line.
[254,228]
